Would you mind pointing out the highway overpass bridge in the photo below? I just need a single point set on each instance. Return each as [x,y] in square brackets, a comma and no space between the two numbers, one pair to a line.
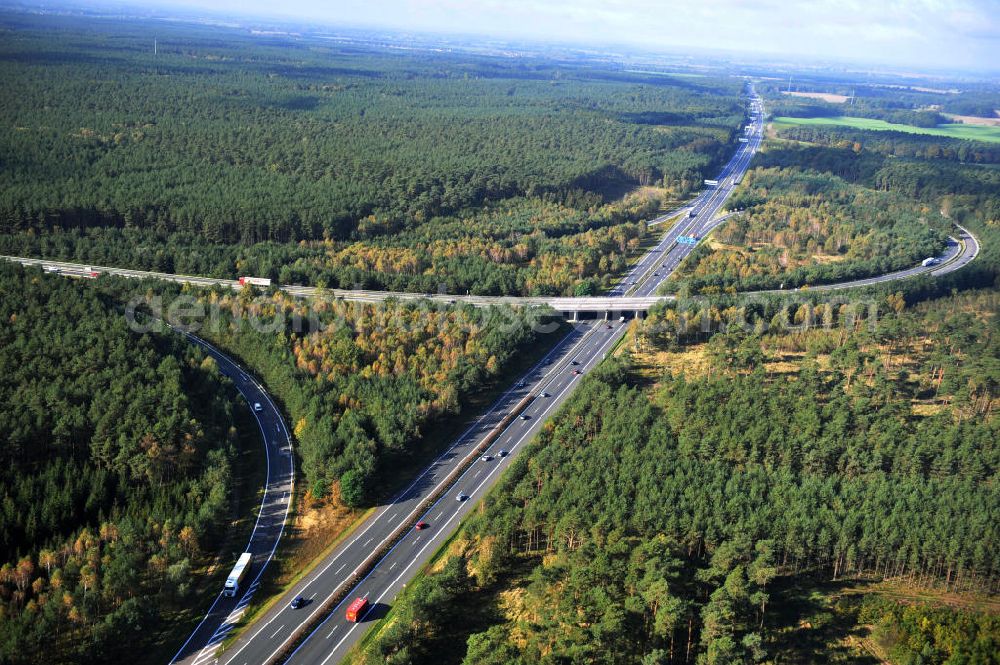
[960,251]
[571,308]
[385,552]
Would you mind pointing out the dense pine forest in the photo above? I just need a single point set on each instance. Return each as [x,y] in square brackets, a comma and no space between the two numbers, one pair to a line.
[958,176]
[828,204]
[299,159]
[116,474]
[362,384]
[119,456]
[804,228]
[753,480]
[748,478]
[655,518]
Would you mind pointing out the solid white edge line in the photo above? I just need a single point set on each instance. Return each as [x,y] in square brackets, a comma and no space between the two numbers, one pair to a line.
[594,359]
[500,402]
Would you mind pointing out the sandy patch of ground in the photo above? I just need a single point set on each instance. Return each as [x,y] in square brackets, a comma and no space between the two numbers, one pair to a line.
[825,96]
[316,524]
[926,409]
[646,193]
[973,120]
[828,258]
[718,246]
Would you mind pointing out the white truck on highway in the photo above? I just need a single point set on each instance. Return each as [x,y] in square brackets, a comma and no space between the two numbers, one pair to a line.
[930,261]
[85,272]
[237,575]
[256,281]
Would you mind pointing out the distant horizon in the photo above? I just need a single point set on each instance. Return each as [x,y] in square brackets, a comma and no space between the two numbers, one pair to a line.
[924,35]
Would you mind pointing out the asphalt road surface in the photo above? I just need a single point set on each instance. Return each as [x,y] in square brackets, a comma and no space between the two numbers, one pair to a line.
[656,266]
[959,253]
[535,397]
[270,523]
[539,394]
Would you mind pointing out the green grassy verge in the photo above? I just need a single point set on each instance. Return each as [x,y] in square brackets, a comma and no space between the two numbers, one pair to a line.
[952,130]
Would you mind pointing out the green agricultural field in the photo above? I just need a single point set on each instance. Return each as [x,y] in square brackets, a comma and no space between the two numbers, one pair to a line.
[953,130]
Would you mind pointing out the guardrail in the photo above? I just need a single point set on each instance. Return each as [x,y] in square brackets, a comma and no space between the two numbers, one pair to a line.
[366,566]
[370,562]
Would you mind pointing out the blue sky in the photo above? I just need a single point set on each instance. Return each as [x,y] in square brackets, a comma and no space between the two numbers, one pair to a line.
[918,33]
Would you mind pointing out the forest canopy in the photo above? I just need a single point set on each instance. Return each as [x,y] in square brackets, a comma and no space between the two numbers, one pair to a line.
[361,383]
[800,227]
[188,158]
[655,519]
[116,473]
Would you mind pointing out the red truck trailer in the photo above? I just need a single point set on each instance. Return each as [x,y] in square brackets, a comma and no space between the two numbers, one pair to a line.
[356,609]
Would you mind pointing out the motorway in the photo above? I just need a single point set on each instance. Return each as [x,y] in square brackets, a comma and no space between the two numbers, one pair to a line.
[628,296]
[558,303]
[314,634]
[270,523]
[649,273]
[637,291]
[359,566]
[544,388]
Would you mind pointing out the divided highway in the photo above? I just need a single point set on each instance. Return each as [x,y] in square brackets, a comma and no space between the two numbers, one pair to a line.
[537,395]
[449,488]
[457,479]
[655,267]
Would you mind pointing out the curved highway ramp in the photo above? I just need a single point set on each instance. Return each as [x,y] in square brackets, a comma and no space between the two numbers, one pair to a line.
[225,611]
[387,550]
